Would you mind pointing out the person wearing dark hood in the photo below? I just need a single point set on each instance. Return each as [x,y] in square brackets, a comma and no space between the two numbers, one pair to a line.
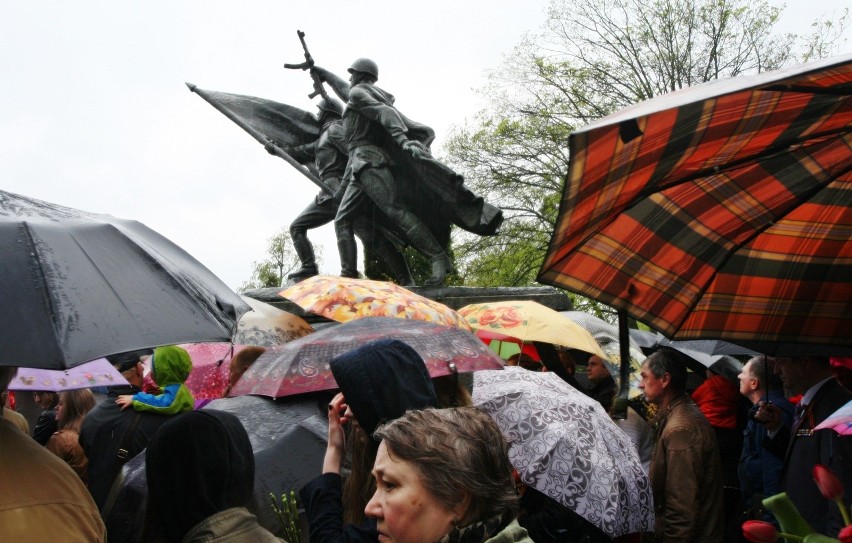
[110,436]
[200,473]
[603,384]
[379,382]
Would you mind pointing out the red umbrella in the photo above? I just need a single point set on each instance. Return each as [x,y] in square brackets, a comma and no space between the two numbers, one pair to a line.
[303,364]
[490,338]
[722,211]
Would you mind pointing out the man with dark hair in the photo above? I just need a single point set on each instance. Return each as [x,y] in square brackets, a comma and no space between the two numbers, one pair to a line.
[109,436]
[685,472]
[802,447]
[42,499]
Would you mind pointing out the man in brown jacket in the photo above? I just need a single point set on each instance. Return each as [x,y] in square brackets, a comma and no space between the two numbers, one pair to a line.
[686,476]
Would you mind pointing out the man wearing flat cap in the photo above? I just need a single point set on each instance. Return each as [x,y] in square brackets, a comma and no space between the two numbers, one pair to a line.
[109,436]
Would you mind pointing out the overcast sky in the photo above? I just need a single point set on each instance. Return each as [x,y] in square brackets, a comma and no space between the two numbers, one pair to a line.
[96,115]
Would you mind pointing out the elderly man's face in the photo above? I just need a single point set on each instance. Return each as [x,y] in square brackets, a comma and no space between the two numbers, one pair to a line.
[651,385]
[746,380]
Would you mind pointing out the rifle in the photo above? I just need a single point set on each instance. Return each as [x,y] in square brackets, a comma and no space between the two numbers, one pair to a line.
[307,65]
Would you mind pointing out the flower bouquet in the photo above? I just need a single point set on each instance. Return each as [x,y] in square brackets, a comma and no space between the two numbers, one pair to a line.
[793,526]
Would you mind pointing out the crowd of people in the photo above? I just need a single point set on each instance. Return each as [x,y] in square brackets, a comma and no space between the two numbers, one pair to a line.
[409,460]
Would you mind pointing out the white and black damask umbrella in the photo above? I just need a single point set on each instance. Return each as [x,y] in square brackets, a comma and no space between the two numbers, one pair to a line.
[563,444]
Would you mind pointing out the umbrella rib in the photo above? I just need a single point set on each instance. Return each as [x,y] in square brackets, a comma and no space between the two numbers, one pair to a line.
[735,164]
[756,232]
[45,286]
[616,303]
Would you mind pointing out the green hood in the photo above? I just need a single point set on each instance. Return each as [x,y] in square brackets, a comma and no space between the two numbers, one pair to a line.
[170,365]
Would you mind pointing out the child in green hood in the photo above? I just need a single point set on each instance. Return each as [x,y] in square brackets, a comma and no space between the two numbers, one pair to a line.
[170,366]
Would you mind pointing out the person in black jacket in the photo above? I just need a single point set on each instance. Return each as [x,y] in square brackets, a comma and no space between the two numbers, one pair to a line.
[46,423]
[379,382]
[802,447]
[603,384]
[107,428]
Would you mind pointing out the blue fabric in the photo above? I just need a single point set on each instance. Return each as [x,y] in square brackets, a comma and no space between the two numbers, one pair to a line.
[160,400]
[760,469]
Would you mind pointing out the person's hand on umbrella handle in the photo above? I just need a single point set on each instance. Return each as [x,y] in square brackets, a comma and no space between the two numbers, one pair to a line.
[338,415]
[769,415]
[125,400]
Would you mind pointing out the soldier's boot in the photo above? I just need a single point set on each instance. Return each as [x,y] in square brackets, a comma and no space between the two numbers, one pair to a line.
[398,267]
[305,252]
[348,257]
[423,240]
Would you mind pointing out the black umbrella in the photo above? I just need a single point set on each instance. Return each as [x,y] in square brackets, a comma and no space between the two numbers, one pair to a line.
[288,437]
[76,286]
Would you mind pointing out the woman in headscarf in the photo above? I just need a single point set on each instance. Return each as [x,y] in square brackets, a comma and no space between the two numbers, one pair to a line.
[200,472]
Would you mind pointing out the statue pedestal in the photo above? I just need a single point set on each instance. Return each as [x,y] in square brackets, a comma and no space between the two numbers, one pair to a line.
[454,297]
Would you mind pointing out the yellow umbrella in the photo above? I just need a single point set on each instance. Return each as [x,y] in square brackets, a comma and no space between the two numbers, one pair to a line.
[530,321]
[343,299]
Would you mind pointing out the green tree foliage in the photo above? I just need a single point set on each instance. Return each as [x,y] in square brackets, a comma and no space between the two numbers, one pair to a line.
[592,58]
[281,259]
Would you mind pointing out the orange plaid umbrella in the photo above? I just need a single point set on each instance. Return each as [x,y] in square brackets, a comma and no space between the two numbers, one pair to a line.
[722,211]
[343,299]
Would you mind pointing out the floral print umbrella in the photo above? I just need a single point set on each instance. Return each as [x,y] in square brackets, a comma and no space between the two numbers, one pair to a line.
[563,444]
[343,299]
[97,373]
[530,321]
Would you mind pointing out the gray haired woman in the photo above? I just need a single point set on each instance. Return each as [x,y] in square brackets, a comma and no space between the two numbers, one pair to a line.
[443,475]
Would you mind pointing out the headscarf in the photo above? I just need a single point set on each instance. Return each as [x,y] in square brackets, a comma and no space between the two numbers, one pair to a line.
[198,463]
[382,380]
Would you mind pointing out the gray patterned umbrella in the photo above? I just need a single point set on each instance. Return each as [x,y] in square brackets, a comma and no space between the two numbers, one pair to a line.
[563,444]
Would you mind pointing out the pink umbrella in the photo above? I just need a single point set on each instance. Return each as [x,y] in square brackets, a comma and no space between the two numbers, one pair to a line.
[303,364]
[96,373]
[840,421]
[210,366]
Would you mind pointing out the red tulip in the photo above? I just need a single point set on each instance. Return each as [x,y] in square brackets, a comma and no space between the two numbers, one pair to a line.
[845,535]
[829,485]
[758,531]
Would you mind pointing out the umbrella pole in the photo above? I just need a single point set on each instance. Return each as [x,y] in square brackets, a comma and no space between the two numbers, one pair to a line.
[766,375]
[619,406]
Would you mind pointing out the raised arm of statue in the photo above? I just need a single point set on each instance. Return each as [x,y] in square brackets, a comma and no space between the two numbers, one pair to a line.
[337,83]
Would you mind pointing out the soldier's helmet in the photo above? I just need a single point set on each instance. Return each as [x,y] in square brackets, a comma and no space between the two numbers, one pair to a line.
[365,65]
[331,105]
